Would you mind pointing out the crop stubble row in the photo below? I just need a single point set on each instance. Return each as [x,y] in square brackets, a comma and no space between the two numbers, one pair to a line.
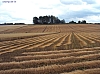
[68,51]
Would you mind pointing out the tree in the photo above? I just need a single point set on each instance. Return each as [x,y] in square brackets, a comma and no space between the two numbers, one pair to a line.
[62,21]
[40,20]
[57,21]
[51,19]
[79,22]
[47,20]
[83,22]
[72,22]
[35,20]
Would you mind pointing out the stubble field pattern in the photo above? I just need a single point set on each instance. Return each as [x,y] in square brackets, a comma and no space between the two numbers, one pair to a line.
[50,49]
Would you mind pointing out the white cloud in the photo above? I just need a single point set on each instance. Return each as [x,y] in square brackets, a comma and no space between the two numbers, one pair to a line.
[93,18]
[76,2]
[25,10]
[89,2]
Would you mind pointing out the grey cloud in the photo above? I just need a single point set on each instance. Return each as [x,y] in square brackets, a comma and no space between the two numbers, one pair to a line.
[97,6]
[84,13]
[78,14]
[89,1]
[68,2]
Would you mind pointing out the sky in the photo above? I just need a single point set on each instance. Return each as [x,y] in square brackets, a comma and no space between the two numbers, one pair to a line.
[23,11]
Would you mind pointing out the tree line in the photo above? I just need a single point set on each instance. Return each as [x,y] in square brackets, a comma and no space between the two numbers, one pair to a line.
[47,20]
[79,22]
[13,24]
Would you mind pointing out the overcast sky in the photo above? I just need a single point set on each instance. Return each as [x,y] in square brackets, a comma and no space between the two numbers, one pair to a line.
[23,11]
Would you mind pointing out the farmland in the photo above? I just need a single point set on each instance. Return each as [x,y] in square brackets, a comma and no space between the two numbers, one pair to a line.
[50,49]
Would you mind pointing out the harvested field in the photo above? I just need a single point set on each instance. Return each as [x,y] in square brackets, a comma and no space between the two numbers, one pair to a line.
[9,27]
[50,49]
